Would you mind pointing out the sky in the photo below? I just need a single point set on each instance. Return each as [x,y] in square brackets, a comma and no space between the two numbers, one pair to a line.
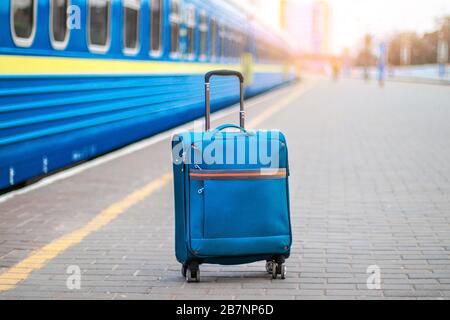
[351,19]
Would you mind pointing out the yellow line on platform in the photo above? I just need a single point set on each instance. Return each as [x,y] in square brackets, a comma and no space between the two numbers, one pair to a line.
[38,258]
[10,278]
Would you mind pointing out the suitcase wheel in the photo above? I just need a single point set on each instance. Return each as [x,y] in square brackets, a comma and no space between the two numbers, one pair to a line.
[283,271]
[269,266]
[191,273]
[276,269]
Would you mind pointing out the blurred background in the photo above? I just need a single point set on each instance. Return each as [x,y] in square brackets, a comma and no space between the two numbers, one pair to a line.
[144,56]
[407,37]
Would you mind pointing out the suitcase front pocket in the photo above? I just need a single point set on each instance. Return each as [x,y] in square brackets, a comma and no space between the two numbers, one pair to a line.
[244,204]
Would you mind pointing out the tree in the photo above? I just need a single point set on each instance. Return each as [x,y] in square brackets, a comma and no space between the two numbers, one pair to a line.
[423,49]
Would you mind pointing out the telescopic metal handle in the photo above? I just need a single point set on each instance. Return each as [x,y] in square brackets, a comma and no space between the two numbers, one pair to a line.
[223,73]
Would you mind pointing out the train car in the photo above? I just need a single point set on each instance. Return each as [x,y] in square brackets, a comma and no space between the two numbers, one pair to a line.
[79,78]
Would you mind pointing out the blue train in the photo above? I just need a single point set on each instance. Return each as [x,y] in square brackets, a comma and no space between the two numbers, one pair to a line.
[79,78]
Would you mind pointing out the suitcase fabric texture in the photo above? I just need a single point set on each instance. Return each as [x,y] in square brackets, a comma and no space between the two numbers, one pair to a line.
[231,203]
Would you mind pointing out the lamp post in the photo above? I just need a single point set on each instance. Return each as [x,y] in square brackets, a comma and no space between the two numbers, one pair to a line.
[405,51]
[442,49]
[367,53]
[283,7]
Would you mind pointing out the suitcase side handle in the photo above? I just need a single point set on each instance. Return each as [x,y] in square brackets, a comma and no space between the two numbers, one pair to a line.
[223,73]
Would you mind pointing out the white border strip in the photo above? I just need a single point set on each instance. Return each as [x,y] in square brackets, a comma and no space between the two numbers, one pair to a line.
[137,146]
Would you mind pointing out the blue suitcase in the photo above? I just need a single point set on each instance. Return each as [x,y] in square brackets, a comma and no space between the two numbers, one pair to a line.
[231,195]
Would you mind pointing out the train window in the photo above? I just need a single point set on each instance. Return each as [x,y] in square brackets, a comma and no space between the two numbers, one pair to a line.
[156,27]
[239,44]
[261,51]
[99,23]
[222,34]
[242,43]
[59,33]
[131,26]
[203,35]
[191,22]
[174,28]
[213,38]
[23,21]
[228,43]
[232,43]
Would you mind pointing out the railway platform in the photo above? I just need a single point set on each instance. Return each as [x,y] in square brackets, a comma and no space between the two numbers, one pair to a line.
[370,203]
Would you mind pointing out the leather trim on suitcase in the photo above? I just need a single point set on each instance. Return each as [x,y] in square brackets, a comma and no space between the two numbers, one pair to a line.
[260,174]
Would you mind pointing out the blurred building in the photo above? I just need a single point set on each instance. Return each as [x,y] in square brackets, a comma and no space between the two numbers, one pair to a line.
[309,24]
[321,27]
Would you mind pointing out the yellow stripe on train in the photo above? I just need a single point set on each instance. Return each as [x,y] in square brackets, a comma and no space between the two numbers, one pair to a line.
[31,65]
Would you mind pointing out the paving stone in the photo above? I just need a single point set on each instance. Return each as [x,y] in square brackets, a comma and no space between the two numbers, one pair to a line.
[370,185]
